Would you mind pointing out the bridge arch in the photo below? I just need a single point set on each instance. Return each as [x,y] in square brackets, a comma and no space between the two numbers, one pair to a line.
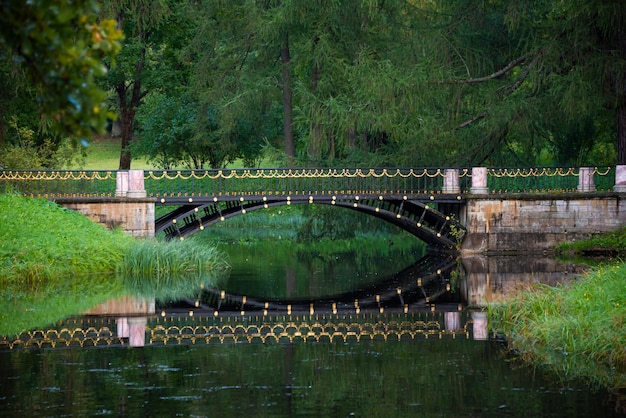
[412,215]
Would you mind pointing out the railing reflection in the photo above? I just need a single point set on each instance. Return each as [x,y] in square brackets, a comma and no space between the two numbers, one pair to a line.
[140,331]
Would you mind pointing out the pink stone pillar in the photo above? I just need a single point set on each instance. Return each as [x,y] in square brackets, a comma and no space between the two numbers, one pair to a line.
[122,327]
[121,184]
[452,320]
[479,181]
[136,187]
[620,179]
[137,326]
[479,328]
[585,180]
[451,181]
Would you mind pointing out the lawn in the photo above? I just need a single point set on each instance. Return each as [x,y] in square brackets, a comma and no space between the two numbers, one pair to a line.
[103,153]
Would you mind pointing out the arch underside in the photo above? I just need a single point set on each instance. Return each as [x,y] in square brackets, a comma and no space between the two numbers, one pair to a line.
[413,216]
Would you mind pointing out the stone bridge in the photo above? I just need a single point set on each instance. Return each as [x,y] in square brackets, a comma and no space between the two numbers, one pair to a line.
[481,209]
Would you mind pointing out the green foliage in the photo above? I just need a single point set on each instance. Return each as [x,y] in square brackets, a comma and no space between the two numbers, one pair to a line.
[394,83]
[61,47]
[55,263]
[611,243]
[390,83]
[165,131]
[27,150]
[575,330]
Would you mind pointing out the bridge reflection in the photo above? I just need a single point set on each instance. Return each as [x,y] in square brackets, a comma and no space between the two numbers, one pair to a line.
[428,280]
[408,314]
[419,302]
[197,330]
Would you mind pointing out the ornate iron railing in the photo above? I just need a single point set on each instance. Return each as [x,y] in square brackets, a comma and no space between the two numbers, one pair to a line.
[55,184]
[546,179]
[287,181]
[59,183]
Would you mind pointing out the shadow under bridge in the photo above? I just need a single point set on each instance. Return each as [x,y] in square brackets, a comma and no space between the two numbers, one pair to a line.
[416,214]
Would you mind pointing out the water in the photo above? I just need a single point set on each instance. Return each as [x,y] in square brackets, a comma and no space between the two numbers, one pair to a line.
[386,350]
[430,378]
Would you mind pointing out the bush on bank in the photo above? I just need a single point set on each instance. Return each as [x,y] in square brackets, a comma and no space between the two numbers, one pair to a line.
[577,330]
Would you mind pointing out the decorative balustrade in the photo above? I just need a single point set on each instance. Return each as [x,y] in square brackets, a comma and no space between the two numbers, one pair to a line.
[55,184]
[202,329]
[305,181]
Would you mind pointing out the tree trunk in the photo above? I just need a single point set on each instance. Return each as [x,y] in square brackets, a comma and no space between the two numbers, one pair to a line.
[621,132]
[290,147]
[128,108]
[127,118]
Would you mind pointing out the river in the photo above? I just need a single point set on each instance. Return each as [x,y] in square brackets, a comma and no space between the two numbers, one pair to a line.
[292,335]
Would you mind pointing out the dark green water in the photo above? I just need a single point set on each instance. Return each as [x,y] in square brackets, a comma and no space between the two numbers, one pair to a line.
[427,378]
[342,369]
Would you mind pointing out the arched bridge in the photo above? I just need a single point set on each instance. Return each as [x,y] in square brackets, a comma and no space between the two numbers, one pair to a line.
[490,209]
[415,216]
[407,198]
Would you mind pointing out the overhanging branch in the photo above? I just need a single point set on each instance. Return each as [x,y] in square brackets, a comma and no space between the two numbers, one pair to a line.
[508,91]
[498,73]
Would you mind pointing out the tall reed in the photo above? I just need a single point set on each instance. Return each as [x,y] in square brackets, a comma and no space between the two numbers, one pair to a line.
[162,269]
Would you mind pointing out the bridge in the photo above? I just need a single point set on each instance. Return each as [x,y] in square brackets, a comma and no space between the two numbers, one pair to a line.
[480,208]
[406,305]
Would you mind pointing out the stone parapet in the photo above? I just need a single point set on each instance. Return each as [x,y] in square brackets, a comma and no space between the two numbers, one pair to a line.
[538,222]
[135,216]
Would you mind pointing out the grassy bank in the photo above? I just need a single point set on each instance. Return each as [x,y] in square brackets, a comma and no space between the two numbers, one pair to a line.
[576,330]
[611,244]
[55,263]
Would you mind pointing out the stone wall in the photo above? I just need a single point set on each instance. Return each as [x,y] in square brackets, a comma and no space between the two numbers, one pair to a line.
[135,216]
[537,222]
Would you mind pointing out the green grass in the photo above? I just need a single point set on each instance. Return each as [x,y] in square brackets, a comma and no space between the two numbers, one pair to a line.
[40,241]
[103,153]
[609,244]
[576,330]
[56,263]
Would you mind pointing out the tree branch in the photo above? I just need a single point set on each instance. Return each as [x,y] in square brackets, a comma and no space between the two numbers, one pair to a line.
[497,74]
[472,120]
[508,91]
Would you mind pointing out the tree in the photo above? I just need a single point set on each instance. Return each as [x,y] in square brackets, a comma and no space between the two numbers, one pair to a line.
[142,22]
[551,73]
[60,47]
[408,82]
[235,81]
[596,65]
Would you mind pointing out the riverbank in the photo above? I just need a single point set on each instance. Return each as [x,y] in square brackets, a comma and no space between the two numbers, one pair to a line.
[55,263]
[608,245]
[576,330]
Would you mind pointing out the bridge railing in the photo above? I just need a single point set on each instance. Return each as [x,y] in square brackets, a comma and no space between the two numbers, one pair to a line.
[310,181]
[550,179]
[286,181]
[59,183]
